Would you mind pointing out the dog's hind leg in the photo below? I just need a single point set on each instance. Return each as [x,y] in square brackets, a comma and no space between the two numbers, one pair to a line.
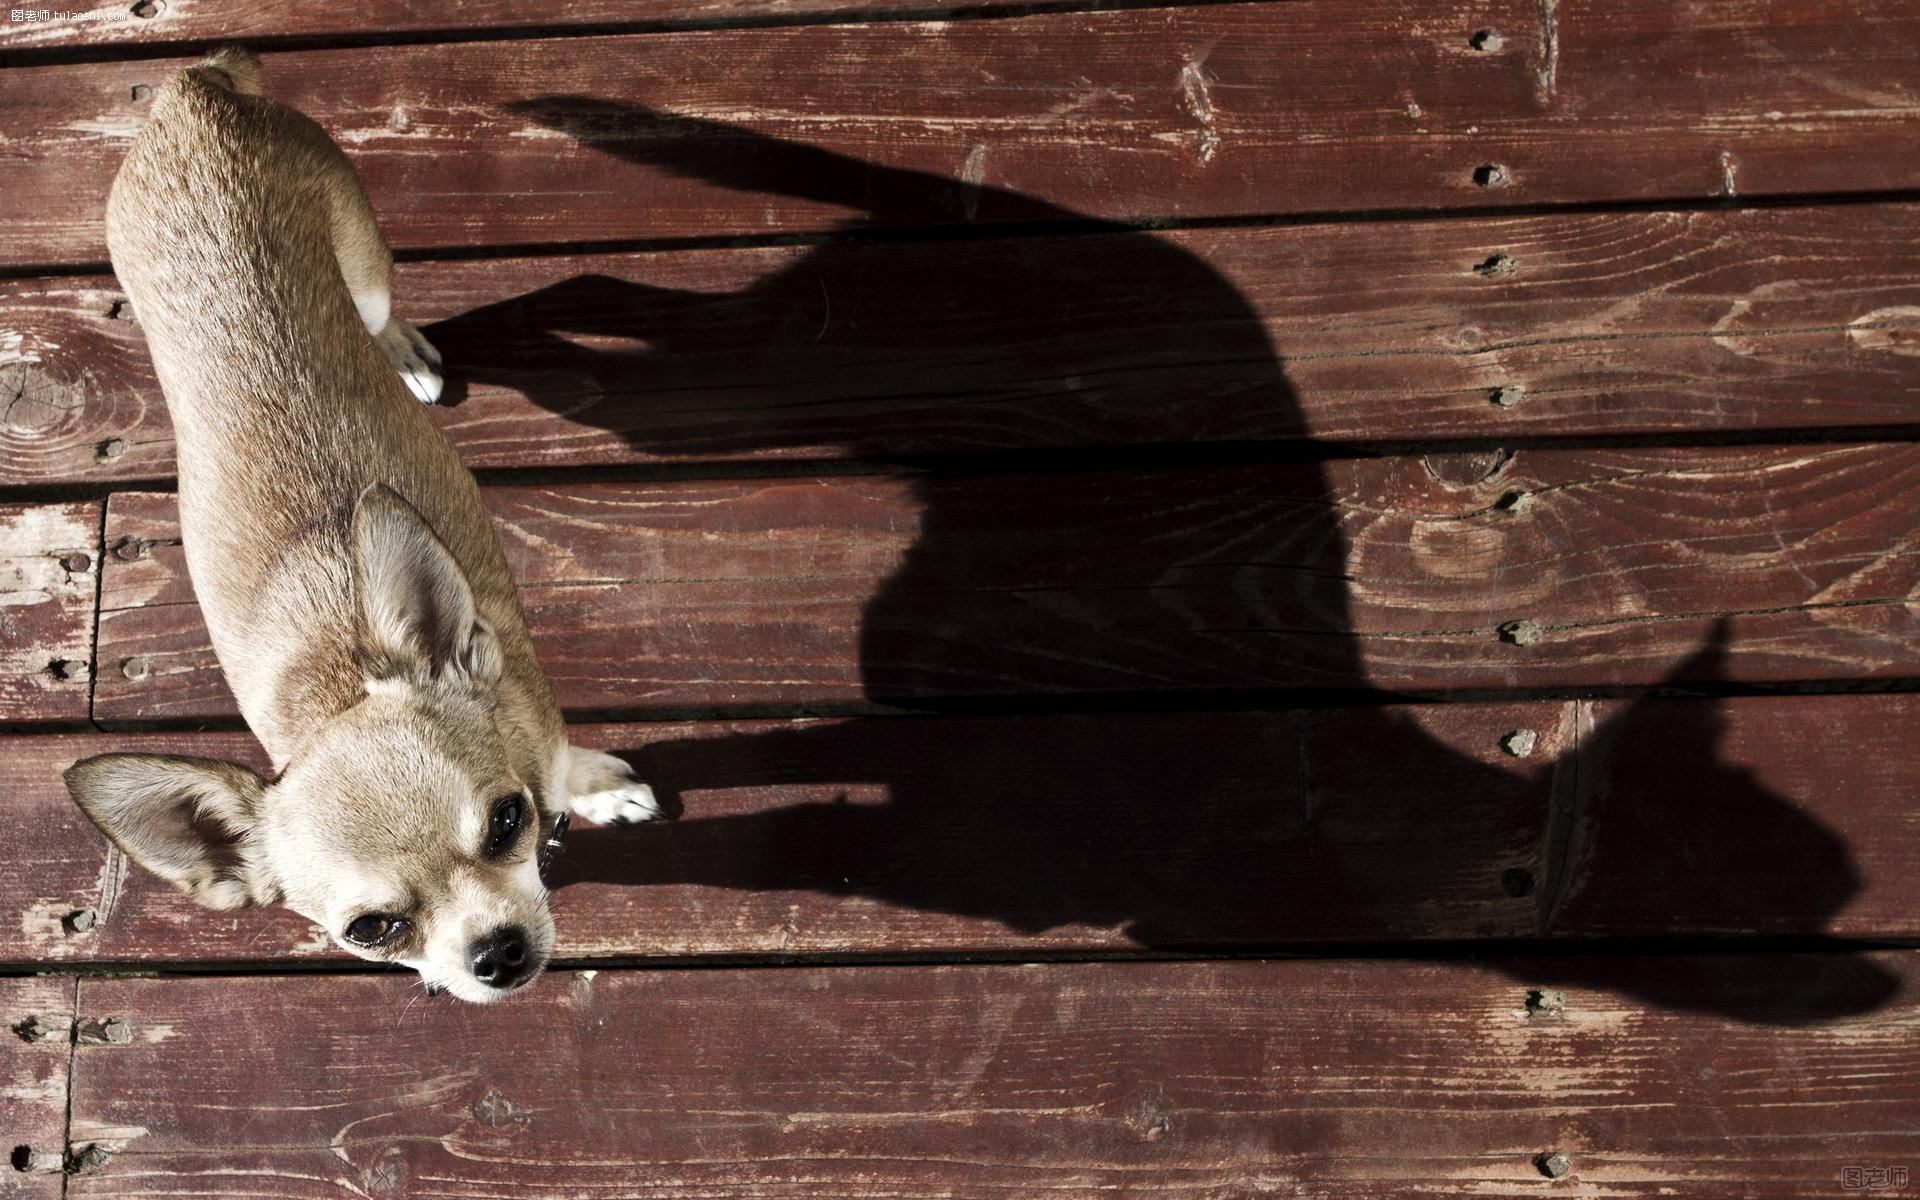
[367,266]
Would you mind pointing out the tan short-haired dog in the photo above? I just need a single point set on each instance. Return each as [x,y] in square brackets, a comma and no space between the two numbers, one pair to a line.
[352,582]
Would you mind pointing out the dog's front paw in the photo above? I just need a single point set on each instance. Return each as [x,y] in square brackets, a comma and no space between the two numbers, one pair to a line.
[414,357]
[627,804]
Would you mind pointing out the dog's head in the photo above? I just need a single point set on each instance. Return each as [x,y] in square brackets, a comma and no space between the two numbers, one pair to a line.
[403,827]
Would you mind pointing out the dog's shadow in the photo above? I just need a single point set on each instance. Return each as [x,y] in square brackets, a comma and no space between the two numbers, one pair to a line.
[1187,830]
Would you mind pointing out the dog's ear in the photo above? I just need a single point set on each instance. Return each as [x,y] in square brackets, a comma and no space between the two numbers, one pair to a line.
[416,606]
[185,819]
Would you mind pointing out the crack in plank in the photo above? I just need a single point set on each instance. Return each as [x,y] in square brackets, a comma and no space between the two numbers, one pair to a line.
[1547,76]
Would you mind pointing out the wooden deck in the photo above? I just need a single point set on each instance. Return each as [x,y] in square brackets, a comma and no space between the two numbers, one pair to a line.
[1288,598]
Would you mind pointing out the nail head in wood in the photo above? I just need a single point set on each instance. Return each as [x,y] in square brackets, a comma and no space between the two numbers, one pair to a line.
[80,920]
[39,1162]
[102,1031]
[1521,633]
[1554,1166]
[498,1111]
[41,1029]
[1520,742]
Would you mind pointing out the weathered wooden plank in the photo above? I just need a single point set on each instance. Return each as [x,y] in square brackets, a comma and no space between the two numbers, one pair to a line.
[1607,324]
[159,22]
[38,1018]
[1121,832]
[1675,791]
[60,875]
[1369,1079]
[1566,569]
[1305,106]
[48,555]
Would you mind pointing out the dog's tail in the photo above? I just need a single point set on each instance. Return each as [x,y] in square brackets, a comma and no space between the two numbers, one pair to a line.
[230,68]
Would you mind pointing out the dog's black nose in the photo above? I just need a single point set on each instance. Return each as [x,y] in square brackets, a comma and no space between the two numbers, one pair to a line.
[500,957]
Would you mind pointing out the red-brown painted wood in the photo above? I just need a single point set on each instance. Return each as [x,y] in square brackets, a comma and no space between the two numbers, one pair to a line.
[36,1028]
[1366,1079]
[1543,569]
[1640,324]
[49,554]
[1119,833]
[205,21]
[1125,833]
[162,23]
[1226,110]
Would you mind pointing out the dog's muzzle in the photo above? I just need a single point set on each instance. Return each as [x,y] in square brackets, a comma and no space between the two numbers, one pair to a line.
[550,847]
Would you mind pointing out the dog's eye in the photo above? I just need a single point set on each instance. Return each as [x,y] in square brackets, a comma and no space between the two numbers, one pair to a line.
[375,929]
[508,815]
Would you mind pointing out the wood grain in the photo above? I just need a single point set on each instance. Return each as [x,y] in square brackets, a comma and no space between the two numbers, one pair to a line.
[48,556]
[1228,110]
[1177,1079]
[1194,560]
[1552,569]
[209,21]
[1118,833]
[1638,324]
[37,1015]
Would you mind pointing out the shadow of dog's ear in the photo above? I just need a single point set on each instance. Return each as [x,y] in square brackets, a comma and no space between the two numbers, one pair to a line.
[188,820]
[1693,839]
[741,159]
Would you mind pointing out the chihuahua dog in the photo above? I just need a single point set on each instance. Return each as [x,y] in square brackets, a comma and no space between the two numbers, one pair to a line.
[353,585]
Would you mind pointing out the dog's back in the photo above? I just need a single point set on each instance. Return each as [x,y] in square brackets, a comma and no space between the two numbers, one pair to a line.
[247,246]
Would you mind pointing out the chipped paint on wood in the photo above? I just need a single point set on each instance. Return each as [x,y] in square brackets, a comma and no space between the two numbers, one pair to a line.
[1639,818]
[1307,81]
[1108,834]
[1623,324]
[46,609]
[887,590]
[1338,1077]
[34,1086]
[1894,330]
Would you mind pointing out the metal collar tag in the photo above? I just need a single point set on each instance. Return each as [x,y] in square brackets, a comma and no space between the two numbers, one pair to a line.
[556,837]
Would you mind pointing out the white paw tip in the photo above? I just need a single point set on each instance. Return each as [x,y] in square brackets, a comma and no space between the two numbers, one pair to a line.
[417,362]
[628,804]
[425,385]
